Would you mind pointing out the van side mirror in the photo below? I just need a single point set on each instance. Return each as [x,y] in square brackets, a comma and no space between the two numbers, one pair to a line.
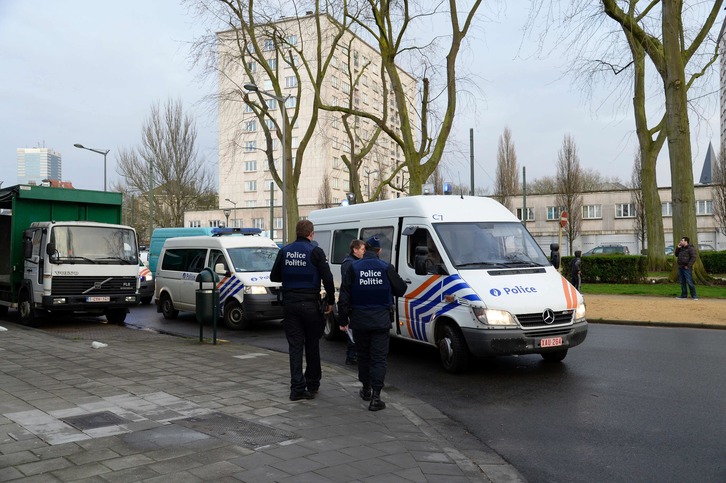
[555,255]
[221,270]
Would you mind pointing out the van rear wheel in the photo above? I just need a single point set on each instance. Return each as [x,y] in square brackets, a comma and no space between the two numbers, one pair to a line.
[453,351]
[234,316]
[167,308]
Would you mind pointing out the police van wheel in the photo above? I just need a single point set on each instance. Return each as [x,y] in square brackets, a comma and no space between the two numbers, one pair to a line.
[453,350]
[234,316]
[167,308]
[331,331]
[556,356]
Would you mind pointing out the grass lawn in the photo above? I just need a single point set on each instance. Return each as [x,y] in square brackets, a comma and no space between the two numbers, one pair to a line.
[658,289]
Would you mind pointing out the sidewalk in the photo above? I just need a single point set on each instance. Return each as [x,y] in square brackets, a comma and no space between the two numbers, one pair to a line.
[151,407]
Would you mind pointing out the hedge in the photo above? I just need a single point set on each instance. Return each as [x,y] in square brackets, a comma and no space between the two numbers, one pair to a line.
[609,268]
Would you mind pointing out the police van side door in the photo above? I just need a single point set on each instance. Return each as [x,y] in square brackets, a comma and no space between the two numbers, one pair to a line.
[424,297]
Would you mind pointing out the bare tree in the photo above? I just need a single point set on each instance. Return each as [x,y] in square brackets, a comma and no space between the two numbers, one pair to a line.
[569,187]
[669,50]
[638,198]
[325,194]
[591,181]
[507,177]
[392,26]
[718,191]
[167,162]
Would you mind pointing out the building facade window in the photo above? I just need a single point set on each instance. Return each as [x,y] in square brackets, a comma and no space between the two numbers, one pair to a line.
[195,223]
[666,209]
[270,124]
[250,203]
[554,212]
[252,66]
[250,166]
[530,214]
[258,223]
[272,104]
[291,102]
[251,126]
[291,81]
[591,212]
[268,44]
[704,207]
[215,223]
[251,185]
[624,210]
[250,146]
[292,39]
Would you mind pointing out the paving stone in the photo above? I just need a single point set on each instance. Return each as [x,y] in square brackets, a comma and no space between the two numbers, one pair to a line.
[45,466]
[74,473]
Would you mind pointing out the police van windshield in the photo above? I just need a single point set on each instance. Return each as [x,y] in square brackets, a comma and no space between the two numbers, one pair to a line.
[94,245]
[253,259]
[490,244]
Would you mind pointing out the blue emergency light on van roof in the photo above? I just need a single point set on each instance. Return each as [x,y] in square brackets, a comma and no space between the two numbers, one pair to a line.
[235,231]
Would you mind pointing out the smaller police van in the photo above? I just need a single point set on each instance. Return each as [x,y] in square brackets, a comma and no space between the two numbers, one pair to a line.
[243,264]
[478,283]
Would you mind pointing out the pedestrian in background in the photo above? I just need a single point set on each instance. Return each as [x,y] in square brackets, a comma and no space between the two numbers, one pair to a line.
[366,304]
[576,270]
[357,249]
[301,266]
[686,257]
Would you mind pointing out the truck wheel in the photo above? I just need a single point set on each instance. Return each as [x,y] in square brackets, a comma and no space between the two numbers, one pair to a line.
[117,316]
[556,356]
[453,350]
[146,300]
[167,308]
[25,309]
[331,331]
[234,316]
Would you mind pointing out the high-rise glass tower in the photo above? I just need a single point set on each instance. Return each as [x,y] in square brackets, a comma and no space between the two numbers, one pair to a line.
[37,164]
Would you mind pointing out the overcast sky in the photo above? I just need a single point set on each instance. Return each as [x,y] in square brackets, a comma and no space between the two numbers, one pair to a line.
[88,71]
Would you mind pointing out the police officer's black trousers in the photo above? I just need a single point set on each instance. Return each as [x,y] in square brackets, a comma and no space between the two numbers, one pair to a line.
[303,325]
[372,347]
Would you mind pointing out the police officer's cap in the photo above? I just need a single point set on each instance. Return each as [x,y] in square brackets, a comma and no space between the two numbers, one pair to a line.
[373,242]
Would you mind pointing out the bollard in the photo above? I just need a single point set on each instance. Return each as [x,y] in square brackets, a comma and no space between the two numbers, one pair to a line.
[207,302]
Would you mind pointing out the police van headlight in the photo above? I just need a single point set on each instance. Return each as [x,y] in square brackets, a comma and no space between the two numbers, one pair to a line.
[580,312]
[255,290]
[500,318]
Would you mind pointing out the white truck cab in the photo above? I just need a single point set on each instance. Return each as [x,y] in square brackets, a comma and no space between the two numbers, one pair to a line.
[479,285]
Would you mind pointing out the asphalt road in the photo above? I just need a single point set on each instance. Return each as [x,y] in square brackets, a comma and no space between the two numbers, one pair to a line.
[630,404]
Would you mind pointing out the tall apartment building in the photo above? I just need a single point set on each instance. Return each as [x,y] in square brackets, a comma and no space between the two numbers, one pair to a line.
[38,164]
[244,177]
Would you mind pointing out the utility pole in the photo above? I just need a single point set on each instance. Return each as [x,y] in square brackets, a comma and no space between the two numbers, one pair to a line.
[471,160]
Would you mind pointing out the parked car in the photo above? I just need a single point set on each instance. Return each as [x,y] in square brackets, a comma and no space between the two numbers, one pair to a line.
[608,250]
[702,247]
[146,290]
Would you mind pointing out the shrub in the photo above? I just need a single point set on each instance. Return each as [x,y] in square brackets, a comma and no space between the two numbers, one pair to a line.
[713,262]
[610,268]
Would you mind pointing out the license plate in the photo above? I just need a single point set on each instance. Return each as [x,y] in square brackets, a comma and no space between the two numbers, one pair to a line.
[551,342]
[98,299]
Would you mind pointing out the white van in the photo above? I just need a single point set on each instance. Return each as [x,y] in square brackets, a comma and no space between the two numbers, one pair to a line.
[479,285]
[243,264]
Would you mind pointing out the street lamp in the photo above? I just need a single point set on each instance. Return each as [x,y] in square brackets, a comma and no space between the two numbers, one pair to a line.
[283,134]
[368,176]
[226,212]
[226,216]
[99,151]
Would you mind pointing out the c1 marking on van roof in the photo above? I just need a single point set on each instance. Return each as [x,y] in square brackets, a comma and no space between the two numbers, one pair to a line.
[570,293]
[420,310]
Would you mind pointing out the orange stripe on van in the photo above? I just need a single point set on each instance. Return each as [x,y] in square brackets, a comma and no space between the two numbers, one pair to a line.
[570,293]
[413,294]
[221,282]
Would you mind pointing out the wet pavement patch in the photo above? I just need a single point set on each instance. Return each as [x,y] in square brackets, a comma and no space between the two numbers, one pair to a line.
[94,420]
[235,430]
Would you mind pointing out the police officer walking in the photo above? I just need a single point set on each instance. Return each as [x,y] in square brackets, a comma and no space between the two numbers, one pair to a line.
[366,304]
[357,249]
[301,266]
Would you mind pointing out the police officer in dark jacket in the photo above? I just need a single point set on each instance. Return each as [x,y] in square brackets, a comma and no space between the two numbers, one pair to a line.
[366,303]
[357,249]
[301,266]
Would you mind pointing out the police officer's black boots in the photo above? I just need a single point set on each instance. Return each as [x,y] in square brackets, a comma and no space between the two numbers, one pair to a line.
[376,403]
[365,393]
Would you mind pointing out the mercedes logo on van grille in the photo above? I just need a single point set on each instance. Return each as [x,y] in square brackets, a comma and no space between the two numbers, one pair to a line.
[548,316]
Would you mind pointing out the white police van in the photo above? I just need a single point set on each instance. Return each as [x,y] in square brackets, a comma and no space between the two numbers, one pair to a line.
[243,264]
[479,285]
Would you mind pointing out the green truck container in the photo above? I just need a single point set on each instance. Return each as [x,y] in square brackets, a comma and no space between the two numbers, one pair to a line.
[64,251]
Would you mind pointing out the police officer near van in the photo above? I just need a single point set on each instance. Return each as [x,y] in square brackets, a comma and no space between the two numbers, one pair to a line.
[366,305]
[301,266]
